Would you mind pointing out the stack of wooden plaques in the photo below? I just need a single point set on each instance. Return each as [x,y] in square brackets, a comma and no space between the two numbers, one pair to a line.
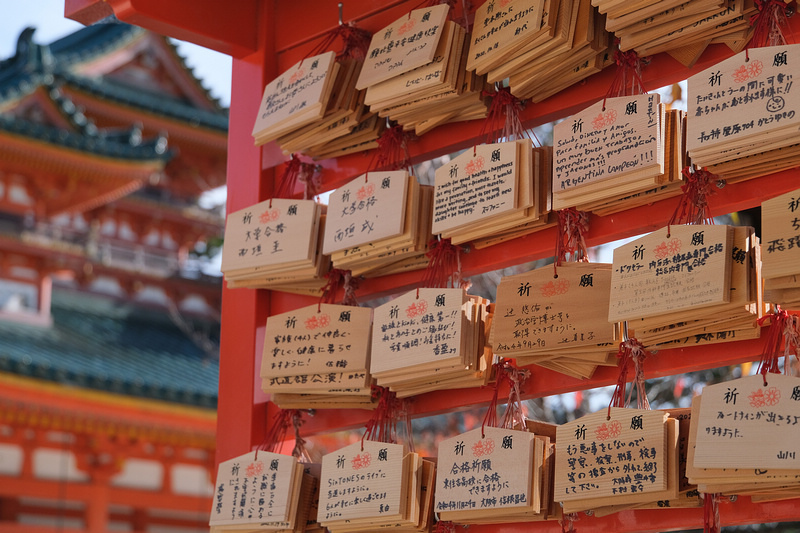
[492,191]
[430,339]
[262,491]
[614,149]
[617,458]
[684,29]
[581,47]
[296,98]
[318,357]
[345,108]
[509,472]
[435,93]
[276,244]
[370,486]
[744,119]
[780,226]
[688,285]
[362,136]
[558,323]
[379,223]
[541,45]
[743,439]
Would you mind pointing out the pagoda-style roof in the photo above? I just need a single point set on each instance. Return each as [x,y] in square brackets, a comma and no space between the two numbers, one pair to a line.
[100,343]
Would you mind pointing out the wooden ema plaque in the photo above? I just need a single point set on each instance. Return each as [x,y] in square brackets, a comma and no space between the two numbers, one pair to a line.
[295,95]
[369,208]
[480,183]
[269,233]
[780,222]
[256,488]
[363,482]
[404,45]
[746,424]
[616,138]
[417,328]
[485,472]
[501,29]
[598,457]
[536,311]
[742,106]
[317,339]
[680,268]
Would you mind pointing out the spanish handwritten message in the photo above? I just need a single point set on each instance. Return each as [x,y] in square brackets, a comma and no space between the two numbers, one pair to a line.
[748,94]
[780,222]
[537,311]
[598,456]
[746,424]
[369,208]
[418,327]
[675,268]
[489,468]
[479,183]
[500,24]
[294,92]
[612,137]
[270,233]
[363,481]
[317,339]
[254,488]
[407,43]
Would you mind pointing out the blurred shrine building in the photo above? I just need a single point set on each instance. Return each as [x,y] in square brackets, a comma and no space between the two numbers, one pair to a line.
[108,336]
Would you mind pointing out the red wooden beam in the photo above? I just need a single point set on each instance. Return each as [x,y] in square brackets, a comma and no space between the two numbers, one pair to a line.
[227,27]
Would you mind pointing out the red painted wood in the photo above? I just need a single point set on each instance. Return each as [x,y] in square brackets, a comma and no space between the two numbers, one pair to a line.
[281,45]
[227,27]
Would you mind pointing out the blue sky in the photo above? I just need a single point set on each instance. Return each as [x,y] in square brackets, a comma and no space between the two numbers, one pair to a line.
[47,16]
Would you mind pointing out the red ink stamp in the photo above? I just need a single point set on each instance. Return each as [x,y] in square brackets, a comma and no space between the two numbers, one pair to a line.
[483,447]
[474,165]
[361,460]
[269,216]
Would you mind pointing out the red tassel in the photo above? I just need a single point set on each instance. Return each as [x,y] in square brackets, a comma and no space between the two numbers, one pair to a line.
[503,117]
[339,279]
[381,427]
[783,338]
[444,265]
[692,207]
[392,151]
[444,527]
[711,522]
[276,434]
[570,242]
[631,356]
[769,24]
[567,522]
[295,171]
[628,79]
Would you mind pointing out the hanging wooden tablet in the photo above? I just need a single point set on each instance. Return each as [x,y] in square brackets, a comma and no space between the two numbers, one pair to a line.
[361,137]
[258,490]
[502,29]
[275,244]
[319,349]
[435,93]
[734,320]
[746,423]
[761,483]
[404,45]
[297,97]
[429,339]
[579,50]
[560,322]
[613,457]
[677,25]
[364,482]
[680,268]
[394,208]
[744,114]
[489,472]
[617,144]
[489,190]
[780,225]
